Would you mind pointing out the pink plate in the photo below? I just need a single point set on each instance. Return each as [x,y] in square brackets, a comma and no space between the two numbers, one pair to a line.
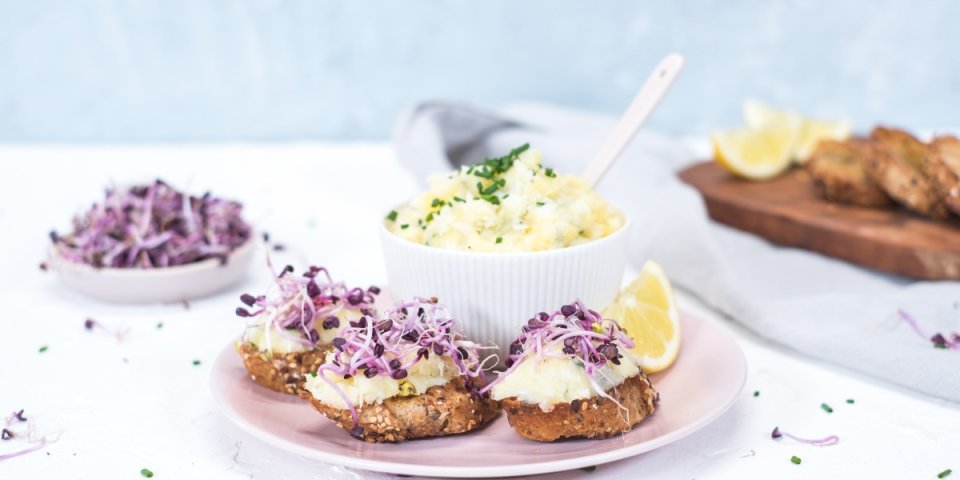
[704,382]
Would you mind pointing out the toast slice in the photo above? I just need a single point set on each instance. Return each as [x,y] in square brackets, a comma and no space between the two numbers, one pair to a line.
[446,409]
[281,372]
[594,417]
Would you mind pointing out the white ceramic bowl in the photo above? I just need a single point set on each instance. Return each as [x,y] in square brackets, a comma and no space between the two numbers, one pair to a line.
[159,285]
[492,295]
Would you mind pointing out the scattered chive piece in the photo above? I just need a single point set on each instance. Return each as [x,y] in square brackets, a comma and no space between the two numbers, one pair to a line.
[549,172]
[458,199]
[945,473]
[392,216]
[796,460]
[196,362]
[850,401]
[826,408]
[499,239]
[756,393]
[540,204]
[146,473]
[42,349]
[404,226]
[589,469]
[436,203]
[313,374]
[429,217]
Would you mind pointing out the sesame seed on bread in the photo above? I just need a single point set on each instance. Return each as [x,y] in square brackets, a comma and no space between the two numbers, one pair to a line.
[446,409]
[281,372]
[593,417]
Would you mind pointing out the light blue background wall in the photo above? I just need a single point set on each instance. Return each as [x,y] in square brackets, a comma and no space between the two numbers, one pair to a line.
[108,70]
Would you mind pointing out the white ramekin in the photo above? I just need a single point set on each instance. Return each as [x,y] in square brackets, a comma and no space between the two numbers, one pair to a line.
[492,295]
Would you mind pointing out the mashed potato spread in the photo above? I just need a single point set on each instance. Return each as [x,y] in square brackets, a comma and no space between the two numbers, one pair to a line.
[548,381]
[268,338]
[507,204]
[426,373]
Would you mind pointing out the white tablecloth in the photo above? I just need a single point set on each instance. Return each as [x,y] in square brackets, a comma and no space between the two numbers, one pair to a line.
[119,407]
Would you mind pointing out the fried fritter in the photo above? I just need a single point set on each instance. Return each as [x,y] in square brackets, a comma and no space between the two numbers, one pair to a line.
[837,168]
[943,169]
[897,164]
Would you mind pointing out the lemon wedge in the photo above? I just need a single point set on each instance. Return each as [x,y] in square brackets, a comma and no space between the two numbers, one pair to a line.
[808,132]
[813,131]
[646,309]
[756,154]
[758,115]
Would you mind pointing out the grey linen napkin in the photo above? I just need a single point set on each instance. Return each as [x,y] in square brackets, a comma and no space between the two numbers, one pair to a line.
[821,307]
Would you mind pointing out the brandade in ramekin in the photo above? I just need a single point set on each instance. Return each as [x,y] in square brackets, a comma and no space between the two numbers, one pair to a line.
[503,238]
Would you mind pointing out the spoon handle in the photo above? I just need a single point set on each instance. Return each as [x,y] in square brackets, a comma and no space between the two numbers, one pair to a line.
[640,109]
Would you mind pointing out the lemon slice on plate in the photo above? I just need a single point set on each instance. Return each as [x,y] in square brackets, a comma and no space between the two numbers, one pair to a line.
[808,132]
[647,310]
[756,154]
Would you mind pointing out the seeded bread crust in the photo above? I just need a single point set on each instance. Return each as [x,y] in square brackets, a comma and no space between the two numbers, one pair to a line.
[594,417]
[943,169]
[447,409]
[282,372]
[898,165]
[837,168]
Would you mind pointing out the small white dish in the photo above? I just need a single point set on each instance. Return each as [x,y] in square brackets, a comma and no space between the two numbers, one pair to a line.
[157,285]
[493,294]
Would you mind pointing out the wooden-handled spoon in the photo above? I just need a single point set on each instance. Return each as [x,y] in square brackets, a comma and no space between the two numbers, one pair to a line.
[646,101]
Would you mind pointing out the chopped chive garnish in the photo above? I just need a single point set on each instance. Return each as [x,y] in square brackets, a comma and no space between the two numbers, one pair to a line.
[392,216]
[756,393]
[826,408]
[492,199]
[796,460]
[945,473]
[313,374]
[196,362]
[499,239]
[404,226]
[549,172]
[493,187]
[429,217]
[436,203]
[146,473]
[458,199]
[42,349]
[850,401]
[540,204]
[580,232]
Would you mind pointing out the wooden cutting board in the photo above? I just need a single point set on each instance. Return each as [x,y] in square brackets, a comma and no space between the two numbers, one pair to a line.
[787,211]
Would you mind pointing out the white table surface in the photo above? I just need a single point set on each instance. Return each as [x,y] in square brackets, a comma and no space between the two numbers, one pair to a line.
[116,407]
